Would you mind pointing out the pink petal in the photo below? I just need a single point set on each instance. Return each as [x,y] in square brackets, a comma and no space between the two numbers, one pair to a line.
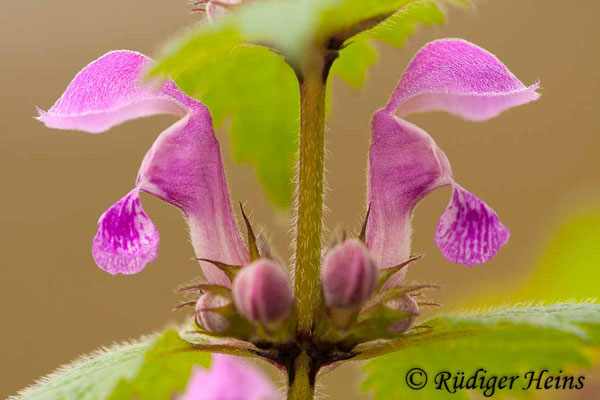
[262,293]
[229,379]
[183,167]
[108,92]
[469,231]
[461,78]
[126,239]
[404,165]
[348,275]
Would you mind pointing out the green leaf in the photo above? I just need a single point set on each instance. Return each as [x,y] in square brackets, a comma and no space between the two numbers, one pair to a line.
[396,29]
[166,370]
[354,61]
[258,90]
[508,341]
[91,377]
[151,368]
[292,26]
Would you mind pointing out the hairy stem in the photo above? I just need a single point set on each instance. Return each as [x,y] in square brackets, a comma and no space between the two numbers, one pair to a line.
[310,189]
[301,379]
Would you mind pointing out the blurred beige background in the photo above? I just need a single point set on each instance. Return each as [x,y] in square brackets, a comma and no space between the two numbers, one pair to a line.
[533,164]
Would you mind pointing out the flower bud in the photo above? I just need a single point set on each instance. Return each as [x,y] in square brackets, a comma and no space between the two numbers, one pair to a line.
[212,321]
[349,275]
[262,292]
[405,304]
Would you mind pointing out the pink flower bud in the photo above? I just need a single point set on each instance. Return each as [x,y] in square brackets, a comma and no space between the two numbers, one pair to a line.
[212,321]
[262,292]
[349,275]
[408,305]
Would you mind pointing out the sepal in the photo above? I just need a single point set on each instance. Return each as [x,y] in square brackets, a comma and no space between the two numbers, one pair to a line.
[218,344]
[341,318]
[393,293]
[229,270]
[362,236]
[381,321]
[386,273]
[252,246]
[207,288]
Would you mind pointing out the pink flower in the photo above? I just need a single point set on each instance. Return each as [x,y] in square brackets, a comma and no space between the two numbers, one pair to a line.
[229,379]
[183,167]
[405,164]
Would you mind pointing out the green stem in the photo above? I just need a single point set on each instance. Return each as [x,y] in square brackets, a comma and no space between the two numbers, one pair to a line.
[310,190]
[301,384]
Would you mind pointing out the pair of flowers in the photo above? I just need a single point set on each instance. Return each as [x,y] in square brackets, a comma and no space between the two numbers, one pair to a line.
[184,166]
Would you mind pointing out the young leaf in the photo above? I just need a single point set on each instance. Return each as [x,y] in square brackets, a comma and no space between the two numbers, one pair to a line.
[503,342]
[219,64]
